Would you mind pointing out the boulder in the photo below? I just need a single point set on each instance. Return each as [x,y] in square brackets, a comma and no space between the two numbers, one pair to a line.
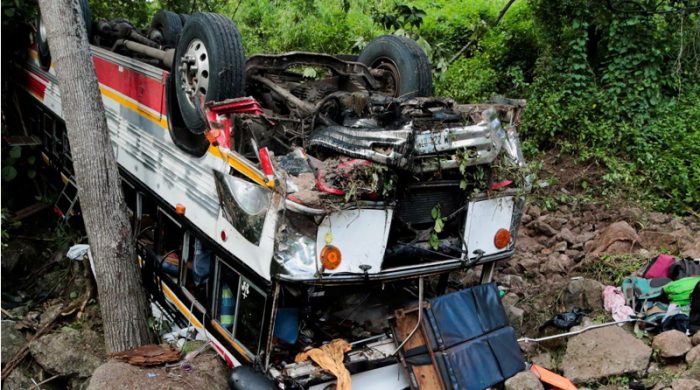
[671,344]
[693,354]
[12,340]
[515,317]
[524,380]
[527,244]
[604,352]
[557,263]
[583,293]
[208,372]
[617,238]
[685,384]
[69,352]
[691,248]
[695,340]
[693,371]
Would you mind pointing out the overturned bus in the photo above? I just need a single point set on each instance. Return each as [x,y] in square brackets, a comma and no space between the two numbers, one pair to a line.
[283,202]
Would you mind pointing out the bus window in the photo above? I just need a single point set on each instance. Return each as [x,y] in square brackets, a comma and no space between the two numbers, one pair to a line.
[225,298]
[130,198]
[145,221]
[250,315]
[195,278]
[169,244]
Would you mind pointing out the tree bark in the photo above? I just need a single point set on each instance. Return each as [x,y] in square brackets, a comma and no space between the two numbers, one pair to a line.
[122,299]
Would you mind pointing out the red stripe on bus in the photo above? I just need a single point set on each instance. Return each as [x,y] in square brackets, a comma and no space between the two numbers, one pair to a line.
[37,87]
[130,83]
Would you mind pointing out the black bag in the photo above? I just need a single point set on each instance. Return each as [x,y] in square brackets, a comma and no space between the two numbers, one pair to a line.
[694,320]
[683,268]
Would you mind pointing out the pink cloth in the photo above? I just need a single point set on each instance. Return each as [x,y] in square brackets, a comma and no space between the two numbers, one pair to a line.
[614,303]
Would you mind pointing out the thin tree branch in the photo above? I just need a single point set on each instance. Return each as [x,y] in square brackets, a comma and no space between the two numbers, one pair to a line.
[478,37]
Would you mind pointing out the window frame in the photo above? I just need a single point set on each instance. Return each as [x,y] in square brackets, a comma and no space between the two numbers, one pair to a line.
[157,244]
[215,304]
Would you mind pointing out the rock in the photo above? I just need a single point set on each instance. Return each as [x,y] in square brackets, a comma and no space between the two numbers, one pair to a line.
[585,237]
[568,236]
[515,317]
[693,354]
[534,211]
[618,238]
[208,372]
[560,247]
[691,248]
[685,384]
[510,299]
[583,293]
[69,352]
[543,227]
[50,314]
[528,262]
[693,371]
[545,360]
[557,263]
[17,380]
[604,352]
[12,340]
[654,240]
[527,244]
[695,340]
[524,380]
[557,223]
[525,219]
[513,282]
[659,218]
[671,344]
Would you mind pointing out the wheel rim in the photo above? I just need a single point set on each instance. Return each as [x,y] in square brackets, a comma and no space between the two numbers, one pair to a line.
[392,78]
[194,70]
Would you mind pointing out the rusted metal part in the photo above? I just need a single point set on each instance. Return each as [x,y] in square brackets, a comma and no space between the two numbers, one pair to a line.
[279,63]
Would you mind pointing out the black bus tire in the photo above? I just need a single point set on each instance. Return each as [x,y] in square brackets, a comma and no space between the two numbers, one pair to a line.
[210,64]
[169,25]
[183,18]
[407,63]
[42,44]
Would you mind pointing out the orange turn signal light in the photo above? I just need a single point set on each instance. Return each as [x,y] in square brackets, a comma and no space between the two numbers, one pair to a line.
[502,238]
[330,257]
[180,209]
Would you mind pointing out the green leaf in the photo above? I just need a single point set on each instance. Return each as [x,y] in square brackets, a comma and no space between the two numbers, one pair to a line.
[31,173]
[434,241]
[439,225]
[462,184]
[309,73]
[15,152]
[8,173]
[31,160]
[435,212]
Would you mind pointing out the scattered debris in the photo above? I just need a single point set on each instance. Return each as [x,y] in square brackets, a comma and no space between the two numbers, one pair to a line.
[148,355]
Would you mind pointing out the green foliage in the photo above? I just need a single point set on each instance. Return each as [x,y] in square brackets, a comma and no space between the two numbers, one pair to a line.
[622,88]
[14,163]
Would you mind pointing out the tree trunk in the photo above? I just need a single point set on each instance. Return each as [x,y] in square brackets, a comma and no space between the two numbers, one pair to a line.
[122,298]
